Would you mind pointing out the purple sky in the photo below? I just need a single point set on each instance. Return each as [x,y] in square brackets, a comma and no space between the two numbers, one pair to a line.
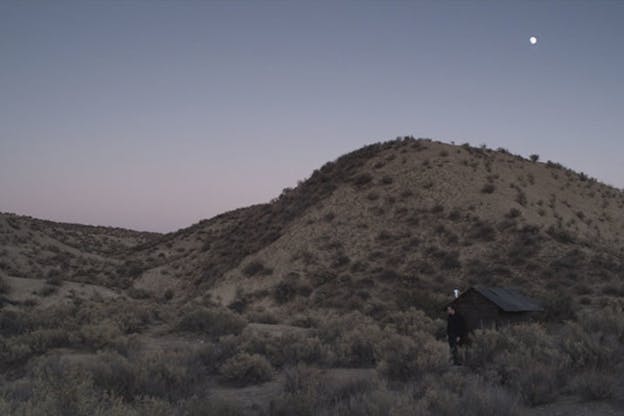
[154,115]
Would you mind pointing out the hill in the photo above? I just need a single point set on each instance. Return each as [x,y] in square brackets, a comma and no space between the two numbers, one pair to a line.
[327,300]
[403,223]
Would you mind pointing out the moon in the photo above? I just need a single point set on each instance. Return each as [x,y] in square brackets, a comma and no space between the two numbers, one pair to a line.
[533,40]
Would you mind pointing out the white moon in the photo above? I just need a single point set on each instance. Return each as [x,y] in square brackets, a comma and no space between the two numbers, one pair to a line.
[533,40]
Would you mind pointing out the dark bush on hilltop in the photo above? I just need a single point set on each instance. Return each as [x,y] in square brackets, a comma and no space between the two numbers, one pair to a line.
[255,268]
[362,179]
[214,322]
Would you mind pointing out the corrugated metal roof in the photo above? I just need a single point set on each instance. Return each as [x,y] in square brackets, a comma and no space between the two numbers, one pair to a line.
[508,299]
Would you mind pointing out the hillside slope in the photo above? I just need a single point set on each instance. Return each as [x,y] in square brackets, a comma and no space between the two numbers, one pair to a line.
[402,223]
[33,248]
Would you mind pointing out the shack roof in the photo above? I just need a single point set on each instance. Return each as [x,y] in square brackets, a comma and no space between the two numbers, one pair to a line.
[508,299]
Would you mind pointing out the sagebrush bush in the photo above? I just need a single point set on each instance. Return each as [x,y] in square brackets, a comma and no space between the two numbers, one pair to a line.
[352,339]
[211,321]
[524,357]
[244,369]
[256,267]
[100,335]
[403,358]
[410,321]
[307,391]
[594,385]
[466,395]
[211,407]
[4,286]
[13,323]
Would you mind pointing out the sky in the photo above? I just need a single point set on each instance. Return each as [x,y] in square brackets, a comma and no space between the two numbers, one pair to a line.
[153,115]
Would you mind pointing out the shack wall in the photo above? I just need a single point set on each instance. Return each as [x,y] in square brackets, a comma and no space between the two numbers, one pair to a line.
[477,311]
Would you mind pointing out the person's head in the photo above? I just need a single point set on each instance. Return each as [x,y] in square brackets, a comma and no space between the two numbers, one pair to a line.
[450,310]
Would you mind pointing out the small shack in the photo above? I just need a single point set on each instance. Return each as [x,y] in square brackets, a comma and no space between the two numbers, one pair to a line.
[486,307]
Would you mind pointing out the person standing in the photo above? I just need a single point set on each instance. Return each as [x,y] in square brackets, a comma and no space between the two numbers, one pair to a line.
[455,330]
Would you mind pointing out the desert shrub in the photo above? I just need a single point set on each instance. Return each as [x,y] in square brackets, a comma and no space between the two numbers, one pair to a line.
[132,317]
[47,290]
[101,334]
[606,321]
[58,389]
[13,352]
[166,375]
[212,355]
[43,340]
[4,286]
[356,348]
[588,348]
[54,277]
[352,338]
[211,407]
[485,344]
[429,303]
[13,323]
[255,268]
[114,374]
[244,369]
[362,179]
[284,292]
[467,395]
[561,235]
[297,348]
[480,398]
[308,392]
[168,295]
[594,385]
[138,293]
[559,307]
[410,321]
[262,316]
[536,382]
[213,322]
[488,188]
[523,357]
[289,348]
[403,358]
[482,231]
[131,268]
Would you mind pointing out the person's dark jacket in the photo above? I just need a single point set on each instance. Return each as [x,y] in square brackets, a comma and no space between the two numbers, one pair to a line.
[455,326]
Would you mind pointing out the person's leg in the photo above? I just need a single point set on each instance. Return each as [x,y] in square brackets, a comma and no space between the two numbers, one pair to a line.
[453,347]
